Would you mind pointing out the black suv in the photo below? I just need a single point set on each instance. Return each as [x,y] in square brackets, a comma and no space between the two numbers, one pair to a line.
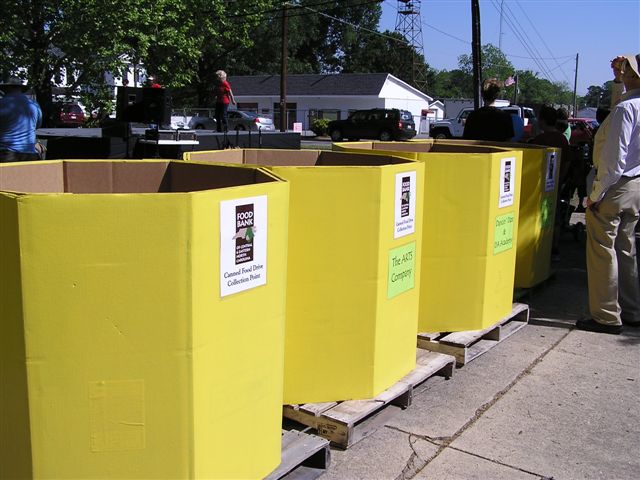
[384,124]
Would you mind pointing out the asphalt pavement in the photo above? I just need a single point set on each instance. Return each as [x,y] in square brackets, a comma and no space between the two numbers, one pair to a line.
[549,402]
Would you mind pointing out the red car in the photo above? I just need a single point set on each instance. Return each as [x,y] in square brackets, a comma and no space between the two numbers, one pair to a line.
[71,115]
[582,130]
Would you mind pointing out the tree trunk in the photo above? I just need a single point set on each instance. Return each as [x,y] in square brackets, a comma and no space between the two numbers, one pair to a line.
[39,71]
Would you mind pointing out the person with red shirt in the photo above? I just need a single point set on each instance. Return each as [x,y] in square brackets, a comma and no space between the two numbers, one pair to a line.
[224,96]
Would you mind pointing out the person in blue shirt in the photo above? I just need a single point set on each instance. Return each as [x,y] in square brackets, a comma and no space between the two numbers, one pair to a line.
[19,118]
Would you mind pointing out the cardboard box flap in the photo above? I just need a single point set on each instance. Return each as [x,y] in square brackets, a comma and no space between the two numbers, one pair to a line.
[88,177]
[423,146]
[462,148]
[511,145]
[94,177]
[235,156]
[140,177]
[357,159]
[280,158]
[191,177]
[44,177]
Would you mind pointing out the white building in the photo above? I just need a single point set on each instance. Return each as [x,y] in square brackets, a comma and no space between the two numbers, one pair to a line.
[311,96]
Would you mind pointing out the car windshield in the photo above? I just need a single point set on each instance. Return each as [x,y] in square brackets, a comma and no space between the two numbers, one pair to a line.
[405,115]
[71,109]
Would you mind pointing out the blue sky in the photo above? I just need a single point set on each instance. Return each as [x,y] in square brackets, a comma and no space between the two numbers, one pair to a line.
[554,30]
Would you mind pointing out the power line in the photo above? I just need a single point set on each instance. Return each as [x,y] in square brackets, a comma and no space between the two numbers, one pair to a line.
[467,42]
[541,38]
[542,58]
[521,39]
[357,27]
[531,43]
[298,7]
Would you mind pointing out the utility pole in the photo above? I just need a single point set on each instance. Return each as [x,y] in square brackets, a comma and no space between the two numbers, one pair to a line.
[500,34]
[476,52]
[575,88]
[283,69]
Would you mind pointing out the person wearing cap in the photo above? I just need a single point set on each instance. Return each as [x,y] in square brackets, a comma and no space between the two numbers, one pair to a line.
[19,118]
[614,209]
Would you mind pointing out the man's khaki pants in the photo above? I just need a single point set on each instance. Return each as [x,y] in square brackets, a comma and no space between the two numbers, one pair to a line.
[614,291]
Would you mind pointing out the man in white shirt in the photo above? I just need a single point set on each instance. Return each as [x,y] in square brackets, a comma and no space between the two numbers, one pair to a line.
[614,209]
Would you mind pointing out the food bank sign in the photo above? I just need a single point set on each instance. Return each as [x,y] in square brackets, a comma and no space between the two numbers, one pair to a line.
[243,244]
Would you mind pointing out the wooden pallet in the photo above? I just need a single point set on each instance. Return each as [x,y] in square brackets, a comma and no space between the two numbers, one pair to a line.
[467,345]
[346,423]
[304,457]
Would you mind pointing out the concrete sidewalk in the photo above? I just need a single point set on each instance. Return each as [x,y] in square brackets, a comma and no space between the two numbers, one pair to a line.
[548,402]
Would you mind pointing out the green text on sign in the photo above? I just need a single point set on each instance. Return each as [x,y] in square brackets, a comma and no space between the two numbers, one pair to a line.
[402,269]
[546,207]
[503,234]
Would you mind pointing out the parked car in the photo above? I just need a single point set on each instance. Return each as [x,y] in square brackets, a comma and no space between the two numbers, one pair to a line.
[241,120]
[202,121]
[238,120]
[378,123]
[68,115]
[454,127]
[582,130]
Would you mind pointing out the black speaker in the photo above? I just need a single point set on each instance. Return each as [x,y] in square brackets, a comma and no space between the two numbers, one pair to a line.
[129,104]
[157,105]
[144,105]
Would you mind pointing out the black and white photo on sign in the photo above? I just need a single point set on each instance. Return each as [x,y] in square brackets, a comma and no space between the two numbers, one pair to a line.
[243,244]
[550,181]
[507,182]
[405,204]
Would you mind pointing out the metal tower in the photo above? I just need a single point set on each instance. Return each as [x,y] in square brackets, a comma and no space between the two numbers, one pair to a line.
[409,25]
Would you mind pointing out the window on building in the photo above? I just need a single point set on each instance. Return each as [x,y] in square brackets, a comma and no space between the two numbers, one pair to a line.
[329,114]
[248,106]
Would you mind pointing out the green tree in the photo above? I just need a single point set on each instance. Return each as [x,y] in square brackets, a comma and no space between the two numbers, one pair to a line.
[451,84]
[45,39]
[386,53]
[495,64]
[321,37]
[593,96]
[534,90]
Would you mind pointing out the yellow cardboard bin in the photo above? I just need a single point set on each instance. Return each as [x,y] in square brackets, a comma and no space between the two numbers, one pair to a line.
[142,315]
[470,223]
[353,283]
[538,197]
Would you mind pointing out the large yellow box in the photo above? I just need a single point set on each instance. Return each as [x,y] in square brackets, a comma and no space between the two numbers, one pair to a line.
[353,282]
[132,343]
[538,203]
[470,223]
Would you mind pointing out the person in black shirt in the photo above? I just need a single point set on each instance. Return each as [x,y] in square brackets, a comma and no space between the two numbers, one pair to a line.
[488,122]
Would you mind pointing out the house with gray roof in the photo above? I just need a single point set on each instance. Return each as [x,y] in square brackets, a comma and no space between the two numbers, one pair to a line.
[331,96]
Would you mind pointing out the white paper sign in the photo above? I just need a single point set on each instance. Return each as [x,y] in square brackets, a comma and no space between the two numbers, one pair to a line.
[243,244]
[297,127]
[507,182]
[550,172]
[405,204]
